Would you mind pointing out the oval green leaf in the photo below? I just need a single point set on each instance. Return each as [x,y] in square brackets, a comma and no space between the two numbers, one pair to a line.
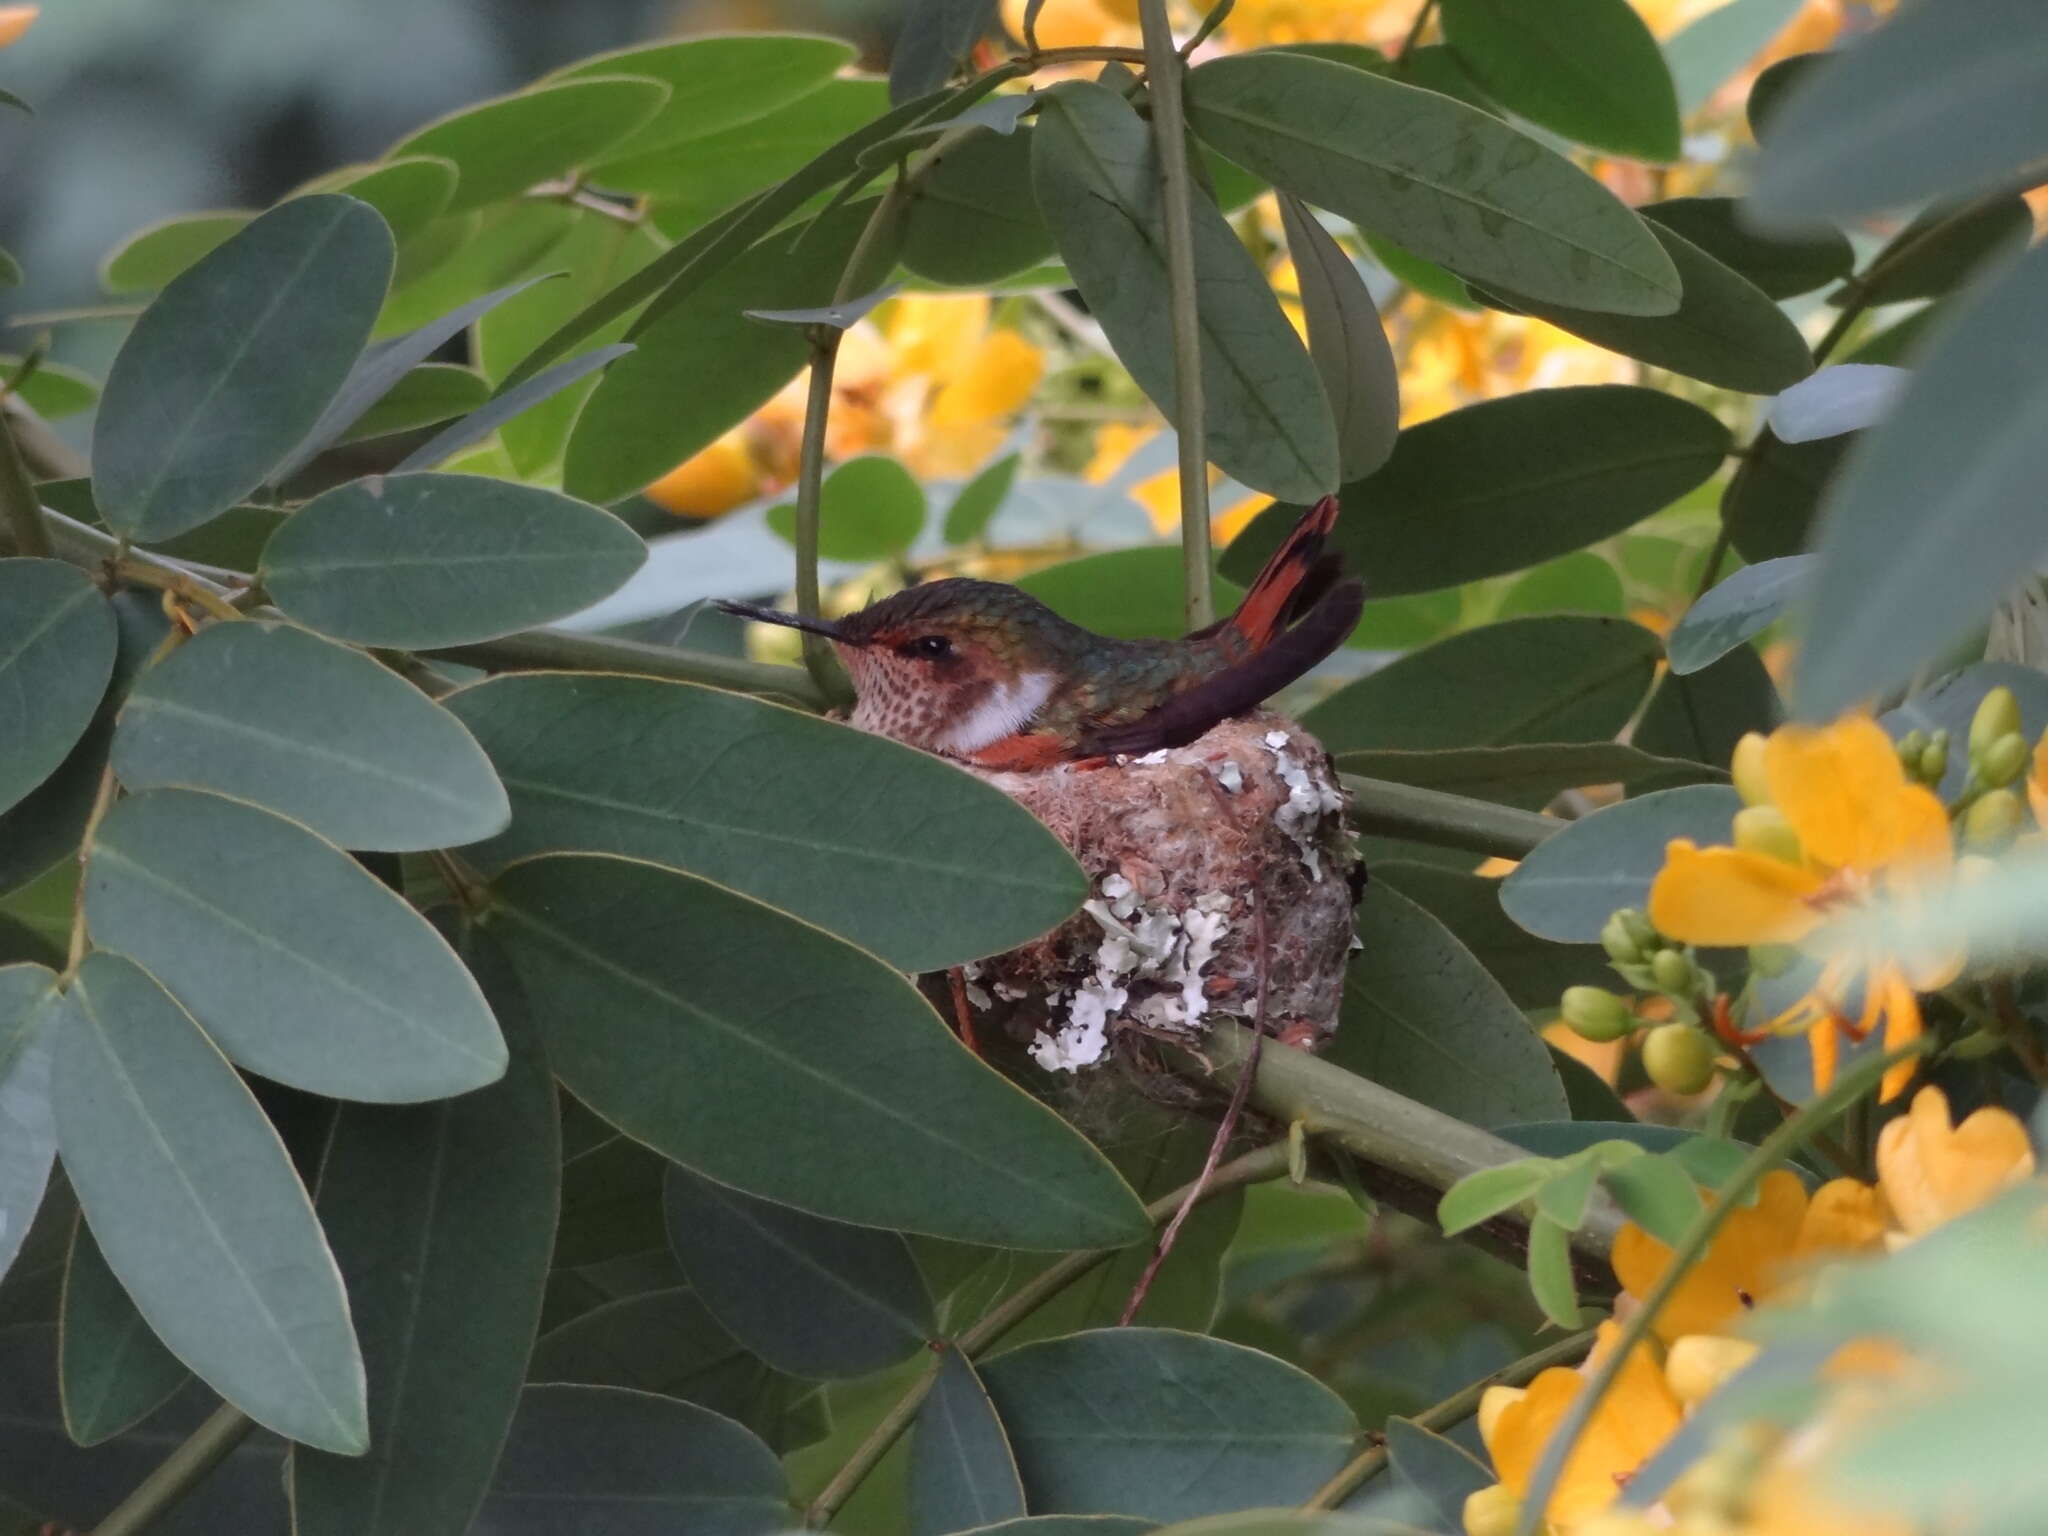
[409,193]
[300,962]
[1569,885]
[962,1473]
[1528,775]
[1782,266]
[1533,971]
[421,560]
[1094,170]
[1170,1426]
[604,1459]
[1501,485]
[314,731]
[980,499]
[1445,180]
[716,83]
[1557,679]
[1581,582]
[1423,1017]
[1129,594]
[196,1207]
[28,1141]
[1736,609]
[869,509]
[813,1298]
[690,1017]
[502,147]
[442,1217]
[1441,1470]
[927,866]
[1699,717]
[150,258]
[1346,342]
[229,368]
[430,393]
[54,390]
[1775,493]
[56,655]
[975,219]
[114,1369]
[1588,69]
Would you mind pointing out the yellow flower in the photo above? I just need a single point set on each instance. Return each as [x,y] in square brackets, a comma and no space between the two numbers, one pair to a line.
[15,20]
[1259,23]
[1635,1417]
[1076,23]
[994,380]
[1932,1171]
[711,482]
[2037,781]
[1861,826]
[1159,494]
[1746,1262]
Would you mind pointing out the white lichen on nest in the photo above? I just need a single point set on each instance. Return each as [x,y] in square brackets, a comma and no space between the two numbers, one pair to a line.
[1191,854]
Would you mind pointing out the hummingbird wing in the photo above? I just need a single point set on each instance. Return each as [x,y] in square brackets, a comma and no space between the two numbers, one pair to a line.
[1239,687]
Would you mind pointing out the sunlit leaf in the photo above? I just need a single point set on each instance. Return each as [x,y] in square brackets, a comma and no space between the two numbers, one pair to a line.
[153,256]
[715,82]
[502,147]
[869,509]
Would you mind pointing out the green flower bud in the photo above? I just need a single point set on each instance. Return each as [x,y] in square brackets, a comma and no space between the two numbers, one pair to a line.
[1619,943]
[1991,822]
[1998,715]
[2003,761]
[1674,972]
[1746,767]
[1679,1058]
[1639,929]
[1492,1511]
[1910,746]
[1596,1013]
[1934,759]
[1764,829]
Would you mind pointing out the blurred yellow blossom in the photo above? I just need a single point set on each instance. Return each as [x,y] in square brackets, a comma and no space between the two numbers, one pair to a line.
[15,20]
[1932,1170]
[1159,493]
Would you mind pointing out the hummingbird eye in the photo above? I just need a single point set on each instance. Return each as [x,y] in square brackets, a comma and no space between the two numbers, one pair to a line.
[931,647]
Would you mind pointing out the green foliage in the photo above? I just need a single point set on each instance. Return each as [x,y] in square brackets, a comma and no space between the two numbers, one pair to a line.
[60,654]
[1569,887]
[869,509]
[962,1473]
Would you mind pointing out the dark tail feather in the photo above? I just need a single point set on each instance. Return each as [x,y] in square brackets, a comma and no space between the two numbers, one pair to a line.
[1237,689]
[1276,595]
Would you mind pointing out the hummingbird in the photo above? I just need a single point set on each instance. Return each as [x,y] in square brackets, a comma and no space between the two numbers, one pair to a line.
[984,673]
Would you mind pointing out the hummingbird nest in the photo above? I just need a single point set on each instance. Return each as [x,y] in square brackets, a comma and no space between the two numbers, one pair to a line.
[1223,879]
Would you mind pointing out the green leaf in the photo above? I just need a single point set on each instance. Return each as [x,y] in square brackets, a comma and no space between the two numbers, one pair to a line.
[1940,102]
[314,731]
[1735,610]
[1094,169]
[928,867]
[198,1211]
[28,1141]
[1130,594]
[409,193]
[1529,775]
[1711,1161]
[933,41]
[1895,584]
[1422,1017]
[1447,181]
[1550,1272]
[1532,971]
[466,254]
[55,659]
[1484,1195]
[1775,493]
[1713,48]
[980,499]
[53,391]
[1347,344]
[1441,1470]
[1940,250]
[1569,885]
[1145,1421]
[506,409]
[1700,717]
[604,1459]
[650,411]
[1503,484]
[1581,582]
[300,962]
[230,367]
[151,257]
[1284,1522]
[1782,266]
[1845,398]
[1564,1196]
[692,1026]
[430,393]
[421,560]
[115,1371]
[1658,1194]
[502,147]
[1557,679]
[1587,69]
[813,1298]
[442,1217]
[870,508]
[1726,331]
[715,83]
[975,219]
[962,1472]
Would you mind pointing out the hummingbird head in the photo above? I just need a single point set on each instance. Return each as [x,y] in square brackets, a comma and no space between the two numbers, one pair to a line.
[949,666]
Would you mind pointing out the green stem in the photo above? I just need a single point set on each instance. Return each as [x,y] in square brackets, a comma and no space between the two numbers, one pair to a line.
[537,650]
[810,484]
[18,499]
[1451,1412]
[1253,1168]
[1775,1148]
[1382,808]
[206,1448]
[1164,68]
[1415,31]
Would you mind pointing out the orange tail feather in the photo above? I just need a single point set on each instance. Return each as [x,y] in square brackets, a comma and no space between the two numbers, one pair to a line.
[1271,601]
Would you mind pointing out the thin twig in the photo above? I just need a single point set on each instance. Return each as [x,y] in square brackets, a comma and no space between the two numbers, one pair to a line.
[1225,1128]
[178,1473]
[1164,69]
[102,798]
[1415,31]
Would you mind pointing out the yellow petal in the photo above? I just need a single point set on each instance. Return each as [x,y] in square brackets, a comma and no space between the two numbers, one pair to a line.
[15,20]
[1844,1216]
[1740,1267]
[934,333]
[998,377]
[1931,1171]
[1902,1027]
[1728,896]
[1846,796]
[710,482]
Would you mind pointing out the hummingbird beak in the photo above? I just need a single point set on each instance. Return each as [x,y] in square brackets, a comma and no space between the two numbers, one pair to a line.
[826,627]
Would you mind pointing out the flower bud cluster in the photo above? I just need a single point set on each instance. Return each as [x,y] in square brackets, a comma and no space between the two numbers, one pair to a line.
[1677,1054]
